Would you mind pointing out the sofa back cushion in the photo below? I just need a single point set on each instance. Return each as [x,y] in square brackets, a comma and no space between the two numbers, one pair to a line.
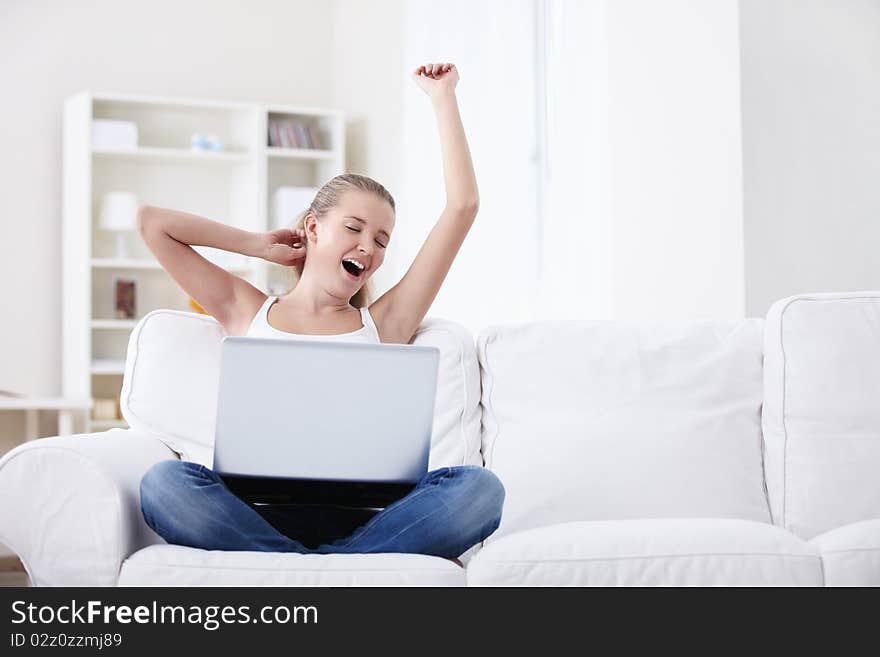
[596,420]
[821,412]
[172,375]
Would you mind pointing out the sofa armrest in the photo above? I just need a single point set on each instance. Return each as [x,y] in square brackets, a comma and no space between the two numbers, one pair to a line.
[71,504]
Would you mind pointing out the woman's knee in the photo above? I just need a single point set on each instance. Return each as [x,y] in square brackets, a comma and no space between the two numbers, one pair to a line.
[474,499]
[166,476]
[167,502]
[483,480]
[481,491]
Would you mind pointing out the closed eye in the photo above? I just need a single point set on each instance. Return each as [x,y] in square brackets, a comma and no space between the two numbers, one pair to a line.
[356,230]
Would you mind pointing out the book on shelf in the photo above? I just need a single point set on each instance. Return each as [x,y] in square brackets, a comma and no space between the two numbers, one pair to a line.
[315,137]
[293,134]
[290,133]
[302,135]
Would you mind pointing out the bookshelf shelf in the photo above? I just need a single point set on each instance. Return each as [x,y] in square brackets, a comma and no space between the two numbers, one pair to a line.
[300,153]
[125,263]
[114,323]
[234,186]
[145,263]
[166,155]
[43,404]
[108,366]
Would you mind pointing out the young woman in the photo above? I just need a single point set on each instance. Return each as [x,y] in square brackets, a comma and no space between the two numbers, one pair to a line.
[335,246]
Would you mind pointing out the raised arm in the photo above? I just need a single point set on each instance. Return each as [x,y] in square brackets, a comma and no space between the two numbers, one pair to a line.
[458,169]
[405,305]
[169,234]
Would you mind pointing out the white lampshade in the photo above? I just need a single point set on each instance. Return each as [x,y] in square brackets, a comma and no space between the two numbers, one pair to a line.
[119,211]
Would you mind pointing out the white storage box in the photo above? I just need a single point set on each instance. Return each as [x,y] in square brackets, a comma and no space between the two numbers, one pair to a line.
[114,134]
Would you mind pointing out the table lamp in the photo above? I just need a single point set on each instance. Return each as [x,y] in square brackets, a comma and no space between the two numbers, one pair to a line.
[119,214]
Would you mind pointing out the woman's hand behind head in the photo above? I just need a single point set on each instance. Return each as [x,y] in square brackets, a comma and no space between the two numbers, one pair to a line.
[285,246]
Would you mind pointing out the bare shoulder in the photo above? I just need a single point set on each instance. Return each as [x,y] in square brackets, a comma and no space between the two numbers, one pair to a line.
[243,311]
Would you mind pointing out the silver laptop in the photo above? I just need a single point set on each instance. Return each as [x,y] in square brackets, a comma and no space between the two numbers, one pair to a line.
[324,410]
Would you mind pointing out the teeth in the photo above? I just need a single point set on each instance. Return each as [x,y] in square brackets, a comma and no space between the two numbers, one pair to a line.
[360,266]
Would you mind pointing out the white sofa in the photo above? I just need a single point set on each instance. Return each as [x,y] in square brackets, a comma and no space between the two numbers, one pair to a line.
[633,453]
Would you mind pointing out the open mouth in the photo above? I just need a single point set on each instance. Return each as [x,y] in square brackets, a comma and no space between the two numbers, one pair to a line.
[352,270]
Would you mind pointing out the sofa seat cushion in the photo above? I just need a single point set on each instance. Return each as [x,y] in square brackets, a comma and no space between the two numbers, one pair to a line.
[851,554]
[650,552]
[178,565]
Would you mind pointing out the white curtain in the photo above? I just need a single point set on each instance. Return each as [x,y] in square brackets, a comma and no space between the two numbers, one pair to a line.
[606,142]
[492,42]
[533,97]
[574,174]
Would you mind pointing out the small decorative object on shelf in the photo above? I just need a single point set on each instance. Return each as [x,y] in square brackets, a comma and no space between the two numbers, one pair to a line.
[124,297]
[195,306]
[200,142]
[119,214]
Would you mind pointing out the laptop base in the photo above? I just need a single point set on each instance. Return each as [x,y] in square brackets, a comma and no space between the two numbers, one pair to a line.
[358,494]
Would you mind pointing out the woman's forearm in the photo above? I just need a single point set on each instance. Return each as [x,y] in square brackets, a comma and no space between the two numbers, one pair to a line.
[194,230]
[458,170]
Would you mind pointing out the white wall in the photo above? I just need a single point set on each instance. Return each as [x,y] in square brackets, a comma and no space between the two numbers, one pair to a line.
[50,50]
[676,159]
[491,43]
[811,136]
[370,78]
[643,198]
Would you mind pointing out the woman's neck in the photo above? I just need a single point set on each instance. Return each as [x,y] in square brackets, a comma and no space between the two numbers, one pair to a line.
[315,301]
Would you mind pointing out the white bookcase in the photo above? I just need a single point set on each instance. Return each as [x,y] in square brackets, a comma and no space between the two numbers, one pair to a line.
[234,186]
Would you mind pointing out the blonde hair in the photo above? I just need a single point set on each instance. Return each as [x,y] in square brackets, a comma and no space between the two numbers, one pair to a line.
[327,198]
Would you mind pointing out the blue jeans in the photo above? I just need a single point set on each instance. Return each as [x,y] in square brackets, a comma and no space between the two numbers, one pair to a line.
[449,510]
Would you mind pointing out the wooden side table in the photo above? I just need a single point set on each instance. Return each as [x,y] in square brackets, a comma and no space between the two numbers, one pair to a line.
[33,405]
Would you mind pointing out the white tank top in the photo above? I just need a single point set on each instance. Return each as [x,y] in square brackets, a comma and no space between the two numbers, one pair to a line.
[260,328]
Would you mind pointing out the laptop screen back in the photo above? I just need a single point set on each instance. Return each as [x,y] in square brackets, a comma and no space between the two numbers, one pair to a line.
[338,411]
